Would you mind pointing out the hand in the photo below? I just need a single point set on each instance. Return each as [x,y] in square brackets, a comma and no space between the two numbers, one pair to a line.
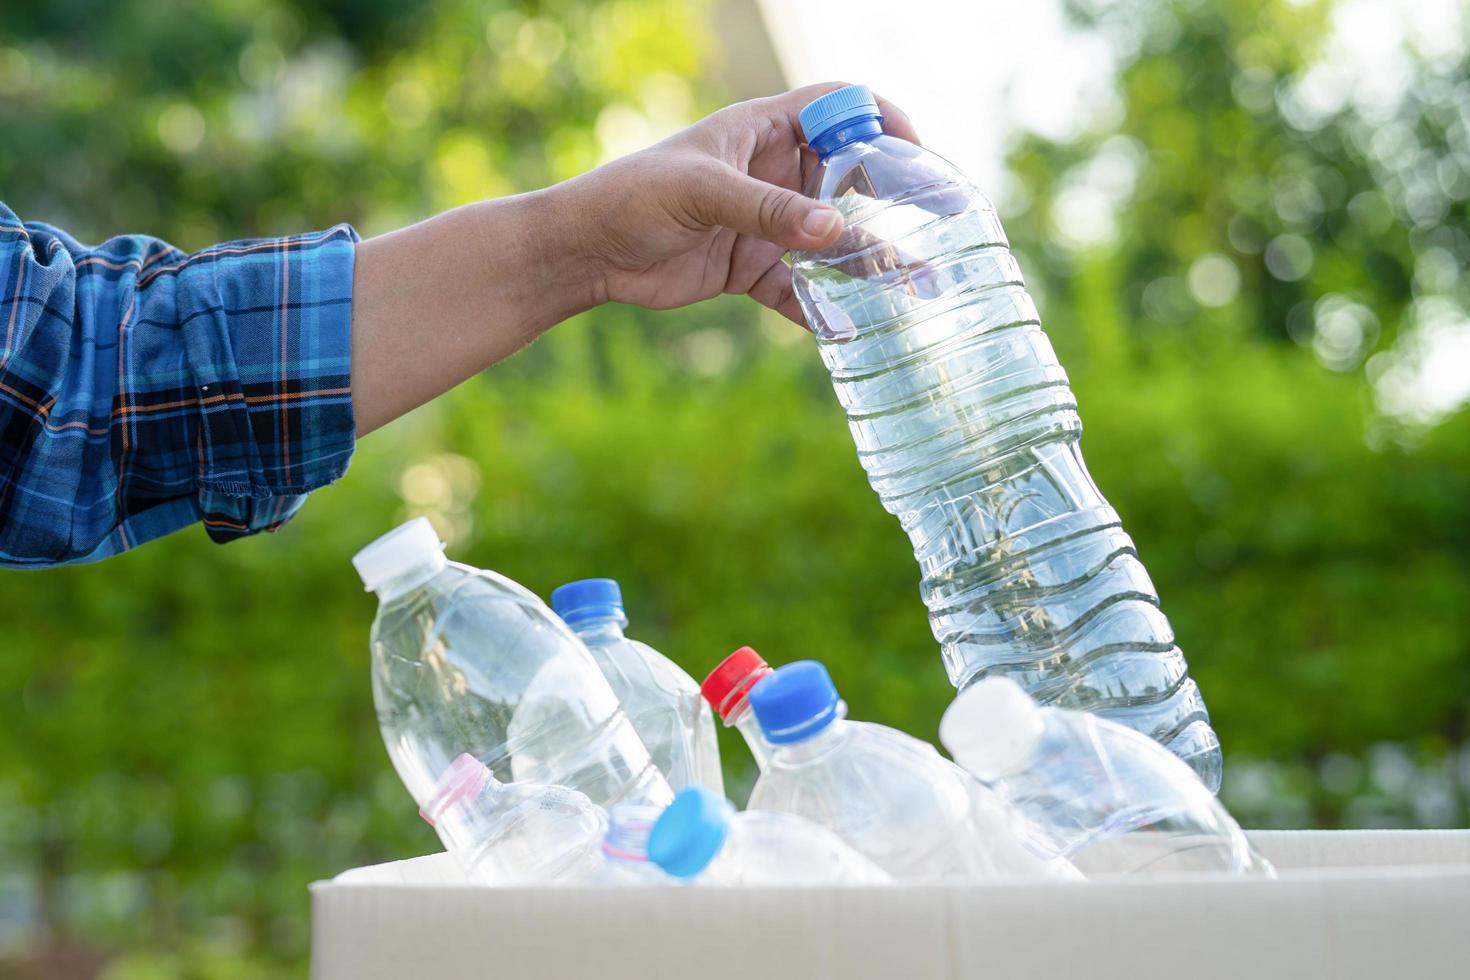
[709,210]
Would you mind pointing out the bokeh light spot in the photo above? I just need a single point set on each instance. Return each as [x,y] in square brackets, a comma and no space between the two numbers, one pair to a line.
[181,127]
[1289,257]
[1214,280]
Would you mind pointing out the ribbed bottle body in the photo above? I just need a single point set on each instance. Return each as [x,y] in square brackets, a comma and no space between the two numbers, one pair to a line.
[968,431]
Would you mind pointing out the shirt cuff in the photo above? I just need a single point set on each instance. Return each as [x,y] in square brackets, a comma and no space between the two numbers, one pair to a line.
[269,351]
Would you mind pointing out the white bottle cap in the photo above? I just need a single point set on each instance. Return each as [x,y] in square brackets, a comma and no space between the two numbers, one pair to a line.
[991,727]
[405,547]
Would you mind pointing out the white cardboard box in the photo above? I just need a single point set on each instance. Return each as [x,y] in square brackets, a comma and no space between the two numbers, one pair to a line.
[1348,905]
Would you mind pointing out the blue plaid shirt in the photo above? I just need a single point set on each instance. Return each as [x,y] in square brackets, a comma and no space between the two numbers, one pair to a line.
[143,389]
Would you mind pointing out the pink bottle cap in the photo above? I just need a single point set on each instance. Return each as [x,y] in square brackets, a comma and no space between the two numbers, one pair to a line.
[465,778]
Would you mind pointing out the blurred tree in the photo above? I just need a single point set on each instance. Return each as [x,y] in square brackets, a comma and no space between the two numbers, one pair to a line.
[1242,267]
[1259,189]
[177,758]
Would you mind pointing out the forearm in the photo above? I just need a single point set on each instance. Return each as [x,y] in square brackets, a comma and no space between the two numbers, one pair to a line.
[439,301]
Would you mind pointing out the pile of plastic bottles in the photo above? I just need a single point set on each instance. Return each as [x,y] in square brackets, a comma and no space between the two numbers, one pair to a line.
[549,747]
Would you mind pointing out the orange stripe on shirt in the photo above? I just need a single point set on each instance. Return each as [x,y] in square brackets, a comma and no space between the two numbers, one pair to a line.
[27,402]
[291,396]
[287,244]
[285,359]
[276,399]
[126,450]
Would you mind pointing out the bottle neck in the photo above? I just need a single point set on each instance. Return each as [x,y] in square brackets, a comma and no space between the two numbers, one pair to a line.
[737,702]
[464,819]
[601,630]
[410,578]
[814,747]
[628,827]
[744,720]
[737,712]
[834,139]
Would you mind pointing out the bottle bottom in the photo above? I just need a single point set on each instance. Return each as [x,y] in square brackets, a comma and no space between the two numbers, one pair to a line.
[1199,747]
[1178,721]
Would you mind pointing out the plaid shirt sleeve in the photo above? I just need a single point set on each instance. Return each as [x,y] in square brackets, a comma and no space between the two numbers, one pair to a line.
[143,389]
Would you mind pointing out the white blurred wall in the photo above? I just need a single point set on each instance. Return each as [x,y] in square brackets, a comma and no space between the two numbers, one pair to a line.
[966,72]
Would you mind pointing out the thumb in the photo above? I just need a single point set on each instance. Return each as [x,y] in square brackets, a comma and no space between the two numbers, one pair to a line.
[776,214]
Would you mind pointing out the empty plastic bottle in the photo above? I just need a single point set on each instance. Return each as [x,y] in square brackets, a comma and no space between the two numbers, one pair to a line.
[466,660]
[624,855]
[1101,795]
[969,433]
[514,833]
[727,689]
[893,798]
[700,836]
[661,700]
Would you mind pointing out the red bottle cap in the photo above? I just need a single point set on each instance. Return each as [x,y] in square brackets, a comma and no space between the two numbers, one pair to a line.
[727,684]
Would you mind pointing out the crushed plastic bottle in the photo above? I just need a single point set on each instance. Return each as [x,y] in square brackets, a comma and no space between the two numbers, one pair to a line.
[660,698]
[727,689]
[467,661]
[1095,792]
[701,837]
[893,798]
[514,833]
[969,433]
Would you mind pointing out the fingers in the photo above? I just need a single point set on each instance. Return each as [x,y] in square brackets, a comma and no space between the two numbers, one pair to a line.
[773,289]
[780,290]
[753,207]
[807,161]
[895,121]
[750,257]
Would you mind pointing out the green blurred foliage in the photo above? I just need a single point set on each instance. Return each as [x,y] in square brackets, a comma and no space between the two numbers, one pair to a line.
[186,732]
[1278,249]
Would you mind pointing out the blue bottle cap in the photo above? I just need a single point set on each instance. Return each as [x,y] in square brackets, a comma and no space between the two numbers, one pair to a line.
[836,108]
[587,600]
[795,702]
[690,832]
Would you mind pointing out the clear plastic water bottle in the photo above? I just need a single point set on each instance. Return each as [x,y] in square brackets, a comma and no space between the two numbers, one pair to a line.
[514,833]
[727,689]
[661,700]
[969,433]
[1101,795]
[466,660]
[700,836]
[624,857]
[893,798]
